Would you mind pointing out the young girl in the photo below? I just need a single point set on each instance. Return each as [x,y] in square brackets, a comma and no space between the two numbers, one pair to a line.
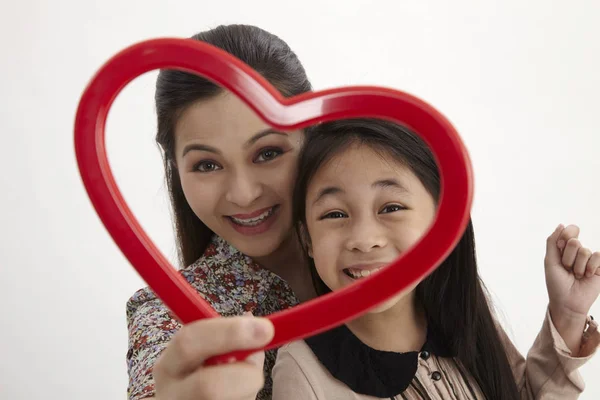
[366,191]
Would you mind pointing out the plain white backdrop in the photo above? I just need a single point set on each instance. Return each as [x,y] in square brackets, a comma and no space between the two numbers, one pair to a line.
[518,79]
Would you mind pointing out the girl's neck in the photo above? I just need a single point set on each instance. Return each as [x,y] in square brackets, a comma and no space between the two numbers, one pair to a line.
[288,263]
[401,328]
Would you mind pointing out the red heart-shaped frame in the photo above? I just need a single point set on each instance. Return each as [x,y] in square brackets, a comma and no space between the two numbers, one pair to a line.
[301,111]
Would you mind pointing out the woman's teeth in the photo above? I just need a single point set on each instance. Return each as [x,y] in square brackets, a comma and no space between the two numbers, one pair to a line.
[254,221]
[355,273]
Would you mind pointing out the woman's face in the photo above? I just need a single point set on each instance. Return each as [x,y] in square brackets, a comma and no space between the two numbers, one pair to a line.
[237,173]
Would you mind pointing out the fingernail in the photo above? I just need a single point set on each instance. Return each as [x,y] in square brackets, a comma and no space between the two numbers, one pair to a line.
[260,329]
[561,244]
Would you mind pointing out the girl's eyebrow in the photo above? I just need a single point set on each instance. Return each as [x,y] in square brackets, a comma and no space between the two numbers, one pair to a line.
[381,184]
[389,183]
[327,191]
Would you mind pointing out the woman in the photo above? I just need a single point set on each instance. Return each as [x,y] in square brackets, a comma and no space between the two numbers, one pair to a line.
[230,178]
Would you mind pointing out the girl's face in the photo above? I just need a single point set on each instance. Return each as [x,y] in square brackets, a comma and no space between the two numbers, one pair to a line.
[363,209]
[237,173]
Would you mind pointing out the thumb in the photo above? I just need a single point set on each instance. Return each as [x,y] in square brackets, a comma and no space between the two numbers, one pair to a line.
[553,253]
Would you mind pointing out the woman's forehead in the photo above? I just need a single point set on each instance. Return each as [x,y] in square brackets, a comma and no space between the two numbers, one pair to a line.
[221,118]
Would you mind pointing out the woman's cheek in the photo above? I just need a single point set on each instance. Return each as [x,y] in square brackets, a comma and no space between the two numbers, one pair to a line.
[202,197]
[285,175]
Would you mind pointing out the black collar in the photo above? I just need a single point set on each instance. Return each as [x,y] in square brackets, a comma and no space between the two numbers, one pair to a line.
[368,371]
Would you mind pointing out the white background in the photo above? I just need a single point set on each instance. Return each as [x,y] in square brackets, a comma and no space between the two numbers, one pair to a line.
[518,79]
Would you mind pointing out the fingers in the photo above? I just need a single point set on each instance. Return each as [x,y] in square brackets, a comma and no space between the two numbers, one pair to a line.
[570,232]
[581,260]
[196,342]
[228,381]
[551,242]
[570,253]
[593,265]
[574,256]
[257,359]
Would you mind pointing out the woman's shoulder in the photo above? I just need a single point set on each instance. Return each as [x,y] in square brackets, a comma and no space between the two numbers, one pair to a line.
[148,319]
[139,299]
[229,281]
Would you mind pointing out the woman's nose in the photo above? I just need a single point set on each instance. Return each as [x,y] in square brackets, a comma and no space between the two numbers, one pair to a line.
[243,190]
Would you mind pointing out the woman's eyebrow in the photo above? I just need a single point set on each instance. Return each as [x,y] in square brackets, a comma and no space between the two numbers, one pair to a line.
[199,147]
[250,142]
[261,134]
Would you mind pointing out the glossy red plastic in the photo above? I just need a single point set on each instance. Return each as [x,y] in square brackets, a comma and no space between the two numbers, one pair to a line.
[230,73]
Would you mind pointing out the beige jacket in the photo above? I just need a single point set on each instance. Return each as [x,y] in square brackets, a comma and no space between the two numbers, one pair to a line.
[548,372]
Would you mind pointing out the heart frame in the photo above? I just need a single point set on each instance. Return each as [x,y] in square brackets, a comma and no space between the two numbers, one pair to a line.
[287,114]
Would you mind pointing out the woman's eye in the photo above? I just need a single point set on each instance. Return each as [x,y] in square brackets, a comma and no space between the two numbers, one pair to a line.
[268,154]
[392,208]
[334,215]
[207,166]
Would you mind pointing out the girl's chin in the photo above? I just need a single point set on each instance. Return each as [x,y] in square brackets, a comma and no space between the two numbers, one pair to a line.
[385,306]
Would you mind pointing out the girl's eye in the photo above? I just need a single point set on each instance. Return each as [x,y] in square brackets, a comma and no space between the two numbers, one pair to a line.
[392,208]
[206,166]
[334,215]
[268,155]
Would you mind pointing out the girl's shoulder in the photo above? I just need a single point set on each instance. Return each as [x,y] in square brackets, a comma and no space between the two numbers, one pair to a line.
[298,358]
[298,350]
[298,373]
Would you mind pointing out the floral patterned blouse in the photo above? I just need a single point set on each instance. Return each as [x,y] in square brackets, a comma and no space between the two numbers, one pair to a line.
[230,281]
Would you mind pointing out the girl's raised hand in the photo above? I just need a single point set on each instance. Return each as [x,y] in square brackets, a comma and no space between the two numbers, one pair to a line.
[572,273]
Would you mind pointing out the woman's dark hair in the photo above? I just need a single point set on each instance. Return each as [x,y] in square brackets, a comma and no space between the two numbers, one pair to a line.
[176,90]
[453,296]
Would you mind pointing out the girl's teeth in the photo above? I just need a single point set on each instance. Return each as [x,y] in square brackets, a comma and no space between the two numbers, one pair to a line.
[362,273]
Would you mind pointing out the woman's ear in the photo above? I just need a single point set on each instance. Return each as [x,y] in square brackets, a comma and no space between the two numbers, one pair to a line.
[305,239]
